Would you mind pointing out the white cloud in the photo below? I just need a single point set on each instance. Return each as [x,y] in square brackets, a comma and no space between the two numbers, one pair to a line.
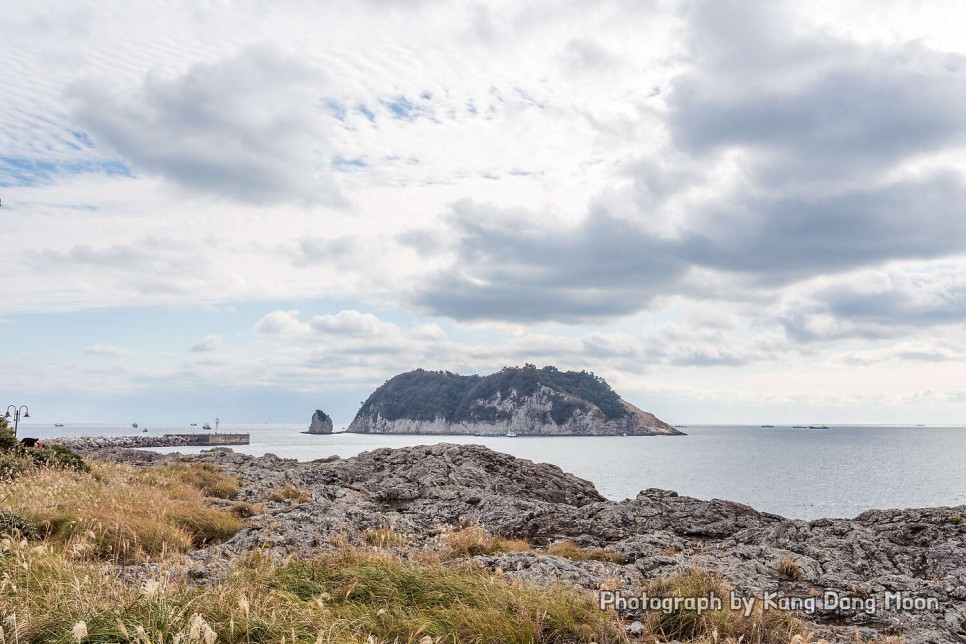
[207,344]
[700,199]
[101,349]
[249,127]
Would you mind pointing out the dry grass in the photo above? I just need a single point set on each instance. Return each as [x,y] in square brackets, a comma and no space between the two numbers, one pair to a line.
[288,492]
[117,511]
[719,626]
[788,569]
[385,538]
[472,541]
[206,478]
[245,510]
[570,550]
[346,596]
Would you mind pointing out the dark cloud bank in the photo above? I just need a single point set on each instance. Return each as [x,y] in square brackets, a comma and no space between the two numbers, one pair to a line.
[825,134]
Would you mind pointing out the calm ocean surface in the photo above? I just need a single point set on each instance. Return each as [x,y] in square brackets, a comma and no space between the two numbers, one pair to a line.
[797,473]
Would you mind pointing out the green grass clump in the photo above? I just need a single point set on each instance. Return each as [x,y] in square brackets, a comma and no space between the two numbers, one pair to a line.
[345,596]
[14,524]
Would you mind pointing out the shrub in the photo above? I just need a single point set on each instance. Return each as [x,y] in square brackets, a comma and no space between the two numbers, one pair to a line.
[12,523]
[12,466]
[57,456]
[18,460]
[7,440]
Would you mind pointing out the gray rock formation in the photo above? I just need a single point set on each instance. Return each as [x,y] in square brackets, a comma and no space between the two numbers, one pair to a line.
[321,423]
[419,491]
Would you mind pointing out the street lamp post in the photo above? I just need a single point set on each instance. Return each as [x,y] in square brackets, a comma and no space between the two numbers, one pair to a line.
[18,413]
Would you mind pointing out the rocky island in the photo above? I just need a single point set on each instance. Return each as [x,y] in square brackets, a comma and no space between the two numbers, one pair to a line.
[524,401]
[321,423]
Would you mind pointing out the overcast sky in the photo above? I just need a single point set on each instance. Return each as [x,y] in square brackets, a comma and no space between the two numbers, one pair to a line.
[734,211]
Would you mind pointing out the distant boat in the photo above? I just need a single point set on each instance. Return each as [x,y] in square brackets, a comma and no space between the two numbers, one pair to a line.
[767,425]
[681,426]
[58,424]
[818,426]
[800,426]
[145,430]
[206,426]
[134,425]
[194,424]
[510,434]
[487,434]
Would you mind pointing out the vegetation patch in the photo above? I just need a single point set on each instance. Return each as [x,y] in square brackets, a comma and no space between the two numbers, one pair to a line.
[431,395]
[346,596]
[385,538]
[788,569]
[206,478]
[17,525]
[17,460]
[473,541]
[725,625]
[288,492]
[570,550]
[117,512]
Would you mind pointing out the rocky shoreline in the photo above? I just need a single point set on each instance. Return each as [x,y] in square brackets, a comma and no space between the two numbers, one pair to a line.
[418,493]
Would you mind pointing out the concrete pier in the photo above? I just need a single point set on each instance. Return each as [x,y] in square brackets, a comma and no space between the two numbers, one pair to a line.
[211,439]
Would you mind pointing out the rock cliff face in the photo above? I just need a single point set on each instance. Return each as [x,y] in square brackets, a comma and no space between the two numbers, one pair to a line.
[527,401]
[321,423]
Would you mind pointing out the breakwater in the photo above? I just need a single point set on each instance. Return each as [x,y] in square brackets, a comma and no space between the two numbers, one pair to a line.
[84,443]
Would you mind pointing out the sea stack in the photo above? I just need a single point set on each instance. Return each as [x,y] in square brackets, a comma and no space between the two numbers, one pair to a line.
[321,423]
[520,401]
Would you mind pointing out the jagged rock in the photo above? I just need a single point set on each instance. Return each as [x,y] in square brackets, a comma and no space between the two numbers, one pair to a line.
[321,423]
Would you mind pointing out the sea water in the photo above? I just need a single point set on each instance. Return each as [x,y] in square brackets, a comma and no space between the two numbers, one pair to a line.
[797,473]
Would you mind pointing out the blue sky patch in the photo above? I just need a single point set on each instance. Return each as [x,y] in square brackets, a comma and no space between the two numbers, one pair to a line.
[342,164]
[401,108]
[24,172]
[336,109]
[366,112]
